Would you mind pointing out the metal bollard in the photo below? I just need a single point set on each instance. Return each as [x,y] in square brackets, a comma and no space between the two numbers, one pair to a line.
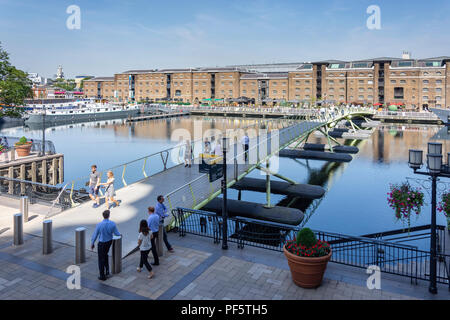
[80,245]
[159,242]
[24,207]
[47,247]
[117,255]
[18,229]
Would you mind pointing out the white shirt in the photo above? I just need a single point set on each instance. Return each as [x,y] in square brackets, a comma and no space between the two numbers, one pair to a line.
[245,140]
[218,150]
[146,241]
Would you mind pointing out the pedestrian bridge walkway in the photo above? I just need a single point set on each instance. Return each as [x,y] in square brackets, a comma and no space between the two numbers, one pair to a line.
[164,174]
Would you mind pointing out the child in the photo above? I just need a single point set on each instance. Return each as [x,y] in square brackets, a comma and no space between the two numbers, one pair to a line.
[144,243]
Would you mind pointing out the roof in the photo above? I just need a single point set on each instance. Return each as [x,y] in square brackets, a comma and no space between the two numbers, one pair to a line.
[101,79]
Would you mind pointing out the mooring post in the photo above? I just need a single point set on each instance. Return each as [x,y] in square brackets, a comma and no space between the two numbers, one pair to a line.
[24,207]
[18,229]
[47,237]
[80,245]
[159,241]
[117,255]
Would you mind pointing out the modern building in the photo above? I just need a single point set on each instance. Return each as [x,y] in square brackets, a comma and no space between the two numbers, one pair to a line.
[414,83]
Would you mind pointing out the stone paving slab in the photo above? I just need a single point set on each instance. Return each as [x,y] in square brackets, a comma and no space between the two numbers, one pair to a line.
[173,266]
[243,280]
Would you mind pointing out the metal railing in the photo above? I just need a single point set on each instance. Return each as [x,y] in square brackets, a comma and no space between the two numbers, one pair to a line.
[45,194]
[391,257]
[147,166]
[200,191]
[407,115]
[9,155]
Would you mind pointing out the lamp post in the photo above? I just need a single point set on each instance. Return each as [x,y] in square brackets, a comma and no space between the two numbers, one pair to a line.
[43,129]
[224,195]
[435,169]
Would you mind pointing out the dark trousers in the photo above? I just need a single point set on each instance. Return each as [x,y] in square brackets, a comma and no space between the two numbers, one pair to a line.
[154,252]
[144,260]
[103,261]
[246,151]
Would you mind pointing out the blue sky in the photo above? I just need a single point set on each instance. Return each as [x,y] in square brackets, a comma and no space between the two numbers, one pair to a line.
[119,35]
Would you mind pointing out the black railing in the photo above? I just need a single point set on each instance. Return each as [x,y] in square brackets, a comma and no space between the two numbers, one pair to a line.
[58,196]
[391,257]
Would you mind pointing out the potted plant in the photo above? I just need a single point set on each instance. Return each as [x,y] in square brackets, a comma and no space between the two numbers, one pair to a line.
[307,258]
[23,147]
[404,200]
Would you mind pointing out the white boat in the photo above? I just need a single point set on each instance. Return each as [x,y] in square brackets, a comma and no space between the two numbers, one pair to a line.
[82,110]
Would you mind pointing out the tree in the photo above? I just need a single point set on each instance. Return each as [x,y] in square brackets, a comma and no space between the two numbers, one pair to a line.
[82,82]
[15,86]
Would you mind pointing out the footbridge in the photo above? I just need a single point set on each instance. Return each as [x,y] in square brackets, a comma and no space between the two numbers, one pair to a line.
[139,182]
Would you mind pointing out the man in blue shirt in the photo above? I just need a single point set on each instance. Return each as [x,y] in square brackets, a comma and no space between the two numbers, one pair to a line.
[104,231]
[153,224]
[161,211]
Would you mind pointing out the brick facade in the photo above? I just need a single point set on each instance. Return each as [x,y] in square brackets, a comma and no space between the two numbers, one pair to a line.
[416,83]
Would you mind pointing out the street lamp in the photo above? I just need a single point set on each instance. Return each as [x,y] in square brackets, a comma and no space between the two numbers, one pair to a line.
[43,129]
[224,195]
[435,169]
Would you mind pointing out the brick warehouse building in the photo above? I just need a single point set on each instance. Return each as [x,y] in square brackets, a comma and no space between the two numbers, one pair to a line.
[416,83]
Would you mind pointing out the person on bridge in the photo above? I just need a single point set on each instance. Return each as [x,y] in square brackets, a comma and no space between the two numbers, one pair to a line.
[94,185]
[188,154]
[153,224]
[104,231]
[109,190]
[207,146]
[161,211]
[245,141]
[145,244]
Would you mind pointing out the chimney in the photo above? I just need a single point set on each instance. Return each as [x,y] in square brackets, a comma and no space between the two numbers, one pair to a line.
[406,55]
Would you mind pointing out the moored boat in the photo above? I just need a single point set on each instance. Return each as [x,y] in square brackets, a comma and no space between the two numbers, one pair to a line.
[82,110]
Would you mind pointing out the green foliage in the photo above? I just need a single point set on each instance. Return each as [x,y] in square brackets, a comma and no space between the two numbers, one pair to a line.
[22,141]
[14,84]
[68,85]
[11,112]
[306,238]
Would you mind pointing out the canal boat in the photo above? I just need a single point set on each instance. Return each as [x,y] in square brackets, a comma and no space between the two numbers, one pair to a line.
[81,110]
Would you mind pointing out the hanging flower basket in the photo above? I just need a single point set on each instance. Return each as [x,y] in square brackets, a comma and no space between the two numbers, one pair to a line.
[2,149]
[404,200]
[444,206]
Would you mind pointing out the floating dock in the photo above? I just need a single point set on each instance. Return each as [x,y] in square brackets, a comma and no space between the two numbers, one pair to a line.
[325,147]
[305,191]
[315,155]
[257,211]
[358,135]
[157,116]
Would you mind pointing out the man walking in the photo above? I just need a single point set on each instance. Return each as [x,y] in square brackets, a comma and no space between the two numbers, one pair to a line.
[153,224]
[104,231]
[245,141]
[161,211]
[94,185]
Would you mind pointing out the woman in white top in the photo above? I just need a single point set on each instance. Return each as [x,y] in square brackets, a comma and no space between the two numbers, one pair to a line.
[188,154]
[109,190]
[145,244]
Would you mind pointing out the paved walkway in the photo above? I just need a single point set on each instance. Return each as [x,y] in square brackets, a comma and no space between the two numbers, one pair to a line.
[198,270]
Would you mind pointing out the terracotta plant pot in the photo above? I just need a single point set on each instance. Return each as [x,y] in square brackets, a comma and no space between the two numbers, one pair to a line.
[307,272]
[23,150]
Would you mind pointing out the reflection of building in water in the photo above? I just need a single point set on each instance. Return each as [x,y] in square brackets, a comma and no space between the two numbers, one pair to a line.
[392,143]
[162,129]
